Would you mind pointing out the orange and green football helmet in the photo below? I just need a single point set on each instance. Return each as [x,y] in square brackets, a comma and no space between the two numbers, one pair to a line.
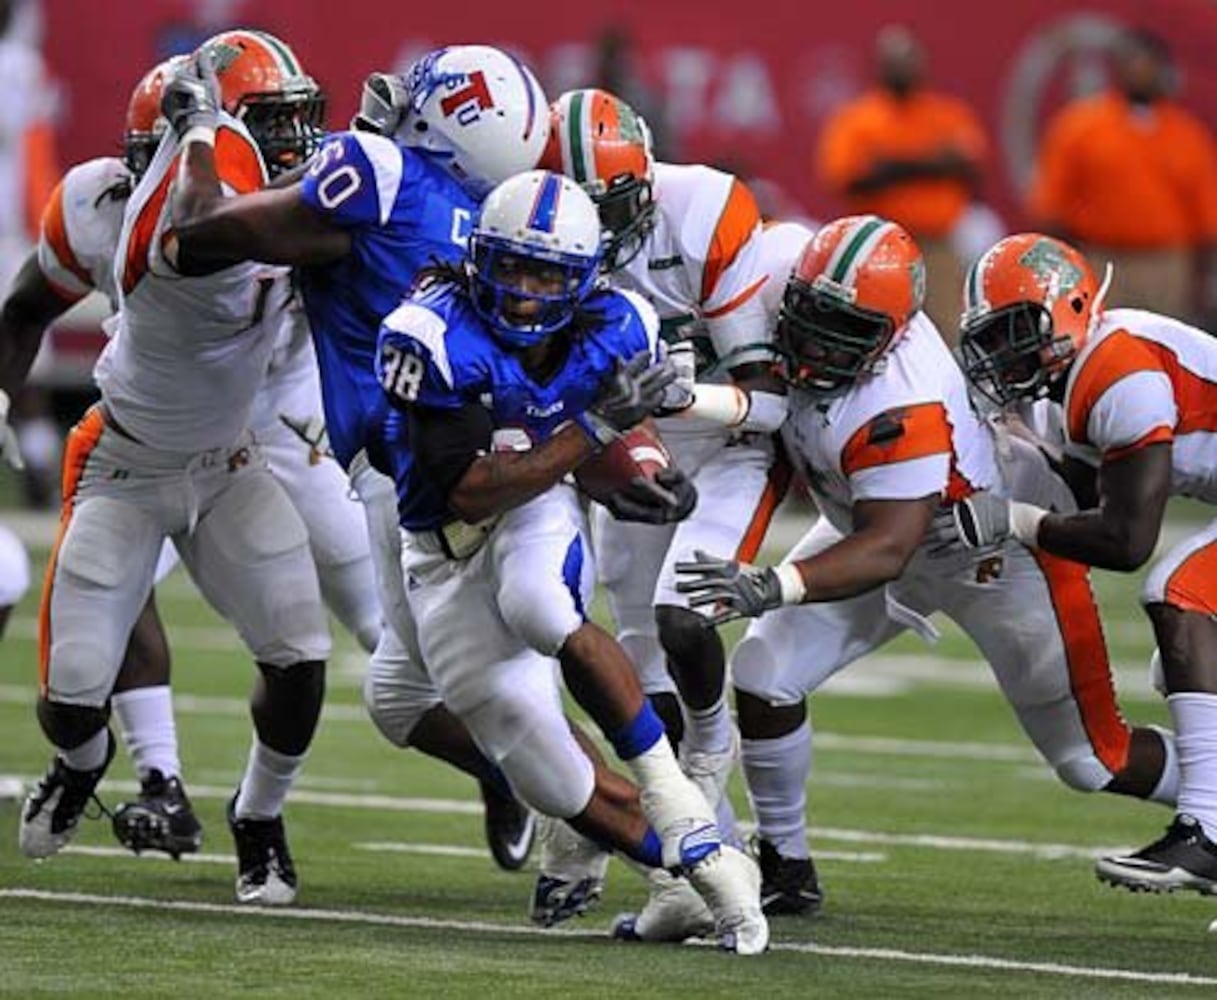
[1030,303]
[851,295]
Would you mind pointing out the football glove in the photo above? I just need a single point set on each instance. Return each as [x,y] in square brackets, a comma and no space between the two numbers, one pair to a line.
[10,450]
[191,98]
[669,497]
[627,397]
[983,521]
[746,591]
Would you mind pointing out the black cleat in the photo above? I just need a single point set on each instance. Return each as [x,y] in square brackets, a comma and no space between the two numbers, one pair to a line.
[265,873]
[789,886]
[510,828]
[1183,859]
[161,819]
[52,811]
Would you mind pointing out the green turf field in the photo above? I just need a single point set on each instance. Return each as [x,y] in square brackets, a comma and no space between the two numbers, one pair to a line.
[954,863]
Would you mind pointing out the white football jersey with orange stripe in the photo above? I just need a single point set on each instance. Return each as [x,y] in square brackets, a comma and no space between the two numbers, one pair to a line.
[81,226]
[181,373]
[905,432]
[1144,378]
[701,267]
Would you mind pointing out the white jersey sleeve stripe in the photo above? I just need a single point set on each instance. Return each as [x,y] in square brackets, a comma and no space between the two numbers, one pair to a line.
[385,159]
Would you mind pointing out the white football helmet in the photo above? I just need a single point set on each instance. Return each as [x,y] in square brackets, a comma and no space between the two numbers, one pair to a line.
[537,224]
[478,111]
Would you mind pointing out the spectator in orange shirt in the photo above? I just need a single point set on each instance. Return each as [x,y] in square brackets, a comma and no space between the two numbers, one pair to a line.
[1132,177]
[910,154]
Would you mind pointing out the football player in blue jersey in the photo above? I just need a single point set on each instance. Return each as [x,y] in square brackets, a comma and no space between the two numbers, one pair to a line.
[368,214]
[512,370]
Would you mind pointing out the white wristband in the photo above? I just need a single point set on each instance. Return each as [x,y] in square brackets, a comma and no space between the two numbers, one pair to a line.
[793,587]
[199,133]
[723,404]
[1025,522]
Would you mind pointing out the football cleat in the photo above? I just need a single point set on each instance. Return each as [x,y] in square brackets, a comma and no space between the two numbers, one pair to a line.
[265,873]
[1182,859]
[730,883]
[789,886]
[510,828]
[52,811]
[571,880]
[161,819]
[673,912]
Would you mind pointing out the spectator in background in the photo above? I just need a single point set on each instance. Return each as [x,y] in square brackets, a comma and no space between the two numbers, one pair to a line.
[616,70]
[911,154]
[28,173]
[1131,177]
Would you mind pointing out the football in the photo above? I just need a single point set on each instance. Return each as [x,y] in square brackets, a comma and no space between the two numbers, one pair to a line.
[638,452]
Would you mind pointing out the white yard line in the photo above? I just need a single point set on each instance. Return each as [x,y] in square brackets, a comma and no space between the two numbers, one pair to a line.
[520,930]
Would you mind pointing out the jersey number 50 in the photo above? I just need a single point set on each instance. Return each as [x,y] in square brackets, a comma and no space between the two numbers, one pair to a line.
[401,373]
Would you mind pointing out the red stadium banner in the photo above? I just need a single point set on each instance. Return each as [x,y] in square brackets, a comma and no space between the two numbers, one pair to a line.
[746,90]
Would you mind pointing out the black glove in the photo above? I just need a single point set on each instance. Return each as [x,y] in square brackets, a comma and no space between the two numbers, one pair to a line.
[627,397]
[746,590]
[191,98]
[670,497]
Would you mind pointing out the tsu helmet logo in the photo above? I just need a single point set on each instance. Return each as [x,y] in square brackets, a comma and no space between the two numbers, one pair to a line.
[470,101]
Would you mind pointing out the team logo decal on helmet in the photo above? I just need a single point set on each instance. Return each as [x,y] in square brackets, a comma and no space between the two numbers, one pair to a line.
[535,253]
[1030,303]
[854,290]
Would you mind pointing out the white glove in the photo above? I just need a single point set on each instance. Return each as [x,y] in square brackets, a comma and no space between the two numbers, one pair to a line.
[191,98]
[9,449]
[680,395]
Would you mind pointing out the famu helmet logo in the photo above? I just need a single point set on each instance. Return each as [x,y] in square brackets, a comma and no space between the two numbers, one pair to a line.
[1051,268]
[629,124]
[223,55]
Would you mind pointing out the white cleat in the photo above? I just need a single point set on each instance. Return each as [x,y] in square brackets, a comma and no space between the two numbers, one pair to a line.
[571,879]
[673,912]
[52,810]
[730,883]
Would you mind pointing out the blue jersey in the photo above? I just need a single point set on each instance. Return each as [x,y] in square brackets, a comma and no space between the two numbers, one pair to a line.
[402,214]
[436,351]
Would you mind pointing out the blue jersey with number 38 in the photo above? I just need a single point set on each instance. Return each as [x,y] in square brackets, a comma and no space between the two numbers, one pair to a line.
[436,351]
[402,213]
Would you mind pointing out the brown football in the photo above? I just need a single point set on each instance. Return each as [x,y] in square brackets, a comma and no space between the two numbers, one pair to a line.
[638,452]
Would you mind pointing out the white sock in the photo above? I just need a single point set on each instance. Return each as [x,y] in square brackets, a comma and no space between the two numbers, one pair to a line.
[708,730]
[1195,716]
[145,719]
[91,754]
[777,773]
[268,778]
[1167,789]
[672,804]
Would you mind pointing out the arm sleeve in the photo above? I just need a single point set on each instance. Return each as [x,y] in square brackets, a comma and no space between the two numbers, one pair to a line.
[446,441]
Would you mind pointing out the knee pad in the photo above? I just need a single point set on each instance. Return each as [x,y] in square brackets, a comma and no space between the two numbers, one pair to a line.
[397,693]
[683,634]
[1084,774]
[68,726]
